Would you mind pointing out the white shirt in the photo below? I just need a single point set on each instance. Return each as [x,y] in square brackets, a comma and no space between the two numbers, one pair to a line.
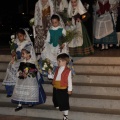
[58,77]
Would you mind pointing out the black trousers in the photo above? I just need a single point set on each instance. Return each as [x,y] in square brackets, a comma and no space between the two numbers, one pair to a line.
[61,99]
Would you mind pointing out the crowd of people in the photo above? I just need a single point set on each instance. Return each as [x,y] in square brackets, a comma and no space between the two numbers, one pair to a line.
[53,49]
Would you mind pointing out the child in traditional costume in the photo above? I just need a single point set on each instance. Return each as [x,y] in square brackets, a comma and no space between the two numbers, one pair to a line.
[62,85]
[105,33]
[28,89]
[18,44]
[80,46]
[52,47]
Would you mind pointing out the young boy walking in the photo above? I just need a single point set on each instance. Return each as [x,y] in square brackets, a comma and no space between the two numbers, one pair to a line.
[62,85]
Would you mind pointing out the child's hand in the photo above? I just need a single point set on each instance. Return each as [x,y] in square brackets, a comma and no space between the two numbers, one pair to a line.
[62,46]
[24,75]
[20,74]
[69,92]
[13,54]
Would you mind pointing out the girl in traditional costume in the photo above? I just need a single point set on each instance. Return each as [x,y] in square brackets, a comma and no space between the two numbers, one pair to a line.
[80,46]
[44,9]
[52,43]
[105,33]
[52,48]
[28,89]
[19,43]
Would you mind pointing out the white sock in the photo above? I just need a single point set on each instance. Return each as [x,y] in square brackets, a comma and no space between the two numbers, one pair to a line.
[106,46]
[65,112]
[103,46]
[19,105]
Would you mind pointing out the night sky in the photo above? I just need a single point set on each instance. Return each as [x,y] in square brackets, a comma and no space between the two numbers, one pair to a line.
[16,6]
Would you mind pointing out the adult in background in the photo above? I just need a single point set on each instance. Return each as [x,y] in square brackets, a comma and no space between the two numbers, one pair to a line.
[44,9]
[80,46]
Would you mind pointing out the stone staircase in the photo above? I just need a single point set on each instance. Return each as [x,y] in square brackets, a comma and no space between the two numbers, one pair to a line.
[96,92]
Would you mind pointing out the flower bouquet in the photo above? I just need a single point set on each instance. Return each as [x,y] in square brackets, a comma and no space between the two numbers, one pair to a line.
[12,43]
[47,68]
[30,72]
[70,35]
[13,47]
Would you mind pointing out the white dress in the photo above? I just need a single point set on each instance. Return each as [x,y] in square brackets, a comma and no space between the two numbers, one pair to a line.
[51,52]
[10,78]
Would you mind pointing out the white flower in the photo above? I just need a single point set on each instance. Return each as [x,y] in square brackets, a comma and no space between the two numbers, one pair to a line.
[32,20]
[12,40]
[43,68]
[12,36]
[45,65]
[51,65]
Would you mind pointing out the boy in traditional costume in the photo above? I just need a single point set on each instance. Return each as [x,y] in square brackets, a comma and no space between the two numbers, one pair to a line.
[62,85]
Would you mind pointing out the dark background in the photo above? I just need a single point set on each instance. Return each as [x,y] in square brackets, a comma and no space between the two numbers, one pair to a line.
[17,13]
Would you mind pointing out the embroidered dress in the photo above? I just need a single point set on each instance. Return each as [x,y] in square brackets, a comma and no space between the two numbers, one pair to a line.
[105,32]
[10,78]
[81,46]
[28,90]
[42,23]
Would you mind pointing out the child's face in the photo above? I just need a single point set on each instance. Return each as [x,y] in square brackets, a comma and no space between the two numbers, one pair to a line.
[21,37]
[61,62]
[74,3]
[55,22]
[24,54]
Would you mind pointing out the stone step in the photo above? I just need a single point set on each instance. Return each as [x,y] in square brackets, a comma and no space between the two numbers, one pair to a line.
[96,60]
[79,102]
[13,117]
[96,79]
[5,58]
[2,75]
[47,111]
[87,79]
[92,90]
[89,96]
[85,90]
[97,70]
[3,66]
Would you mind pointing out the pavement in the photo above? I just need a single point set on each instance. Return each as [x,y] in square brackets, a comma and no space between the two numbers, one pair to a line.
[11,117]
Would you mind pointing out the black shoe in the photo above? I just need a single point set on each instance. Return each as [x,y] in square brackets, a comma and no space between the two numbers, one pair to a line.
[8,95]
[18,108]
[65,117]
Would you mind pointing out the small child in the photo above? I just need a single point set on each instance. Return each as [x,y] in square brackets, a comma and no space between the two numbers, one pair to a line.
[62,85]
[28,90]
[52,47]
[20,42]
